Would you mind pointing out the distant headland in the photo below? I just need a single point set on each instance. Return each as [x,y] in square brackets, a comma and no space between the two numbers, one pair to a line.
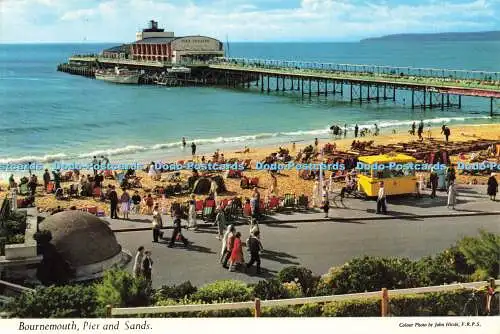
[447,36]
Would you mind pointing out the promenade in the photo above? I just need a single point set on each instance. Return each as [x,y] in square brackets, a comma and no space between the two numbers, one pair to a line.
[412,228]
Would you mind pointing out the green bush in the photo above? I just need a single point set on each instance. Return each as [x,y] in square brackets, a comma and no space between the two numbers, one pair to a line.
[301,275]
[120,289]
[56,302]
[175,292]
[435,271]
[14,239]
[270,289]
[372,274]
[483,252]
[229,290]
[369,307]
[222,314]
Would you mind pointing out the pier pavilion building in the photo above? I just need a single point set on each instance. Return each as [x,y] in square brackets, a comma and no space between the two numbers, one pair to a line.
[154,44]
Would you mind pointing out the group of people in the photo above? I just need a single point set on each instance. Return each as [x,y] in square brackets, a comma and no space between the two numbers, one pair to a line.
[445,130]
[232,257]
[143,264]
[193,146]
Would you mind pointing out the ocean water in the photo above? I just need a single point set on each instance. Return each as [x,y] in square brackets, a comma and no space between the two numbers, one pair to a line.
[49,116]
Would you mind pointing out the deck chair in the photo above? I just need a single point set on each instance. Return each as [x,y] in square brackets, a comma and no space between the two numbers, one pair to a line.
[199,207]
[108,174]
[23,189]
[262,207]
[247,210]
[231,211]
[97,193]
[303,202]
[254,182]
[209,211]
[273,204]
[289,201]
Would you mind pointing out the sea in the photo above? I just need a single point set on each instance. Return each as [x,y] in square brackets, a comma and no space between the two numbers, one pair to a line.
[48,116]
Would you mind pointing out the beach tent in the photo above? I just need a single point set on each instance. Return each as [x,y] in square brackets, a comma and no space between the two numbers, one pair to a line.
[202,186]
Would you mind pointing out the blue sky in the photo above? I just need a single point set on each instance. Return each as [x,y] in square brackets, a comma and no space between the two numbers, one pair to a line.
[241,20]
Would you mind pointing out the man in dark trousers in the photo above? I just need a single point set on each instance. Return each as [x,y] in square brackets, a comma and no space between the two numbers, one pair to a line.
[46,179]
[420,130]
[447,133]
[356,130]
[147,266]
[57,178]
[177,233]
[113,198]
[193,148]
[434,182]
[254,247]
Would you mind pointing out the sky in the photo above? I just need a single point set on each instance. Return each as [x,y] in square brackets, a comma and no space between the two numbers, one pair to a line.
[50,21]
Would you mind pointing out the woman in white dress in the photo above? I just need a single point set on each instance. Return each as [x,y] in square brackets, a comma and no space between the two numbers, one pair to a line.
[316,194]
[452,195]
[125,200]
[192,212]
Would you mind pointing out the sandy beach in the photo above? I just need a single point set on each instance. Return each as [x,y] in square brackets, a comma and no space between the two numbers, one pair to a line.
[288,180]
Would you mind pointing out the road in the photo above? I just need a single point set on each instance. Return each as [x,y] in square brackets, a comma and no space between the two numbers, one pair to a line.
[317,246]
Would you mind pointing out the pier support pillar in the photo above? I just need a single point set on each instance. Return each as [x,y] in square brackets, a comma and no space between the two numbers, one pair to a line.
[368,93]
[310,87]
[277,83]
[317,83]
[292,84]
[378,93]
[430,100]
[442,101]
[283,83]
[341,88]
[459,101]
[394,94]
[491,106]
[360,94]
[302,86]
[413,98]
[334,91]
[448,100]
[326,87]
[262,83]
[385,92]
[425,99]
[268,85]
[351,93]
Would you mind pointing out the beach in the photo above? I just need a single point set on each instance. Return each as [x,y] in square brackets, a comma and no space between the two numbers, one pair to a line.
[288,180]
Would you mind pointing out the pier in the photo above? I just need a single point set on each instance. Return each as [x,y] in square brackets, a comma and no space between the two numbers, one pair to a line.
[424,88]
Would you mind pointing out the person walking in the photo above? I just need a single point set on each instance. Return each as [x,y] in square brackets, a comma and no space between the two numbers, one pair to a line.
[236,258]
[434,178]
[274,184]
[452,195]
[137,269]
[183,142]
[420,130]
[95,165]
[147,267]
[220,220]
[381,204]
[125,203]
[177,233]
[157,223]
[46,180]
[227,245]
[450,176]
[492,186]
[193,149]
[447,133]
[136,202]
[413,128]
[254,248]
[113,199]
[356,130]
[324,201]
[192,213]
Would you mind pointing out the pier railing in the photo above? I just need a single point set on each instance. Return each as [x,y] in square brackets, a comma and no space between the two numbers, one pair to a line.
[371,69]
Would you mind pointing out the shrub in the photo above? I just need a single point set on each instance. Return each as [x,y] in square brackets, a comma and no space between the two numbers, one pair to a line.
[229,290]
[294,289]
[457,259]
[72,301]
[175,292]
[371,274]
[120,289]
[435,271]
[14,239]
[482,252]
[270,289]
[369,307]
[300,275]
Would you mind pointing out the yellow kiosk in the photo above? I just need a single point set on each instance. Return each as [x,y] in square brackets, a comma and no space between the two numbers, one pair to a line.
[395,170]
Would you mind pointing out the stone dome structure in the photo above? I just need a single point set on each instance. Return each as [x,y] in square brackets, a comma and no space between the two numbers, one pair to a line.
[84,241]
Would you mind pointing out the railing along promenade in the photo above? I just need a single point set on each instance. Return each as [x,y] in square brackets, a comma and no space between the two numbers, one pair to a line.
[437,78]
[258,304]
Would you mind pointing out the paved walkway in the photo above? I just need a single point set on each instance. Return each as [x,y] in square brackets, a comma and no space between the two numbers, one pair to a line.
[472,201]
